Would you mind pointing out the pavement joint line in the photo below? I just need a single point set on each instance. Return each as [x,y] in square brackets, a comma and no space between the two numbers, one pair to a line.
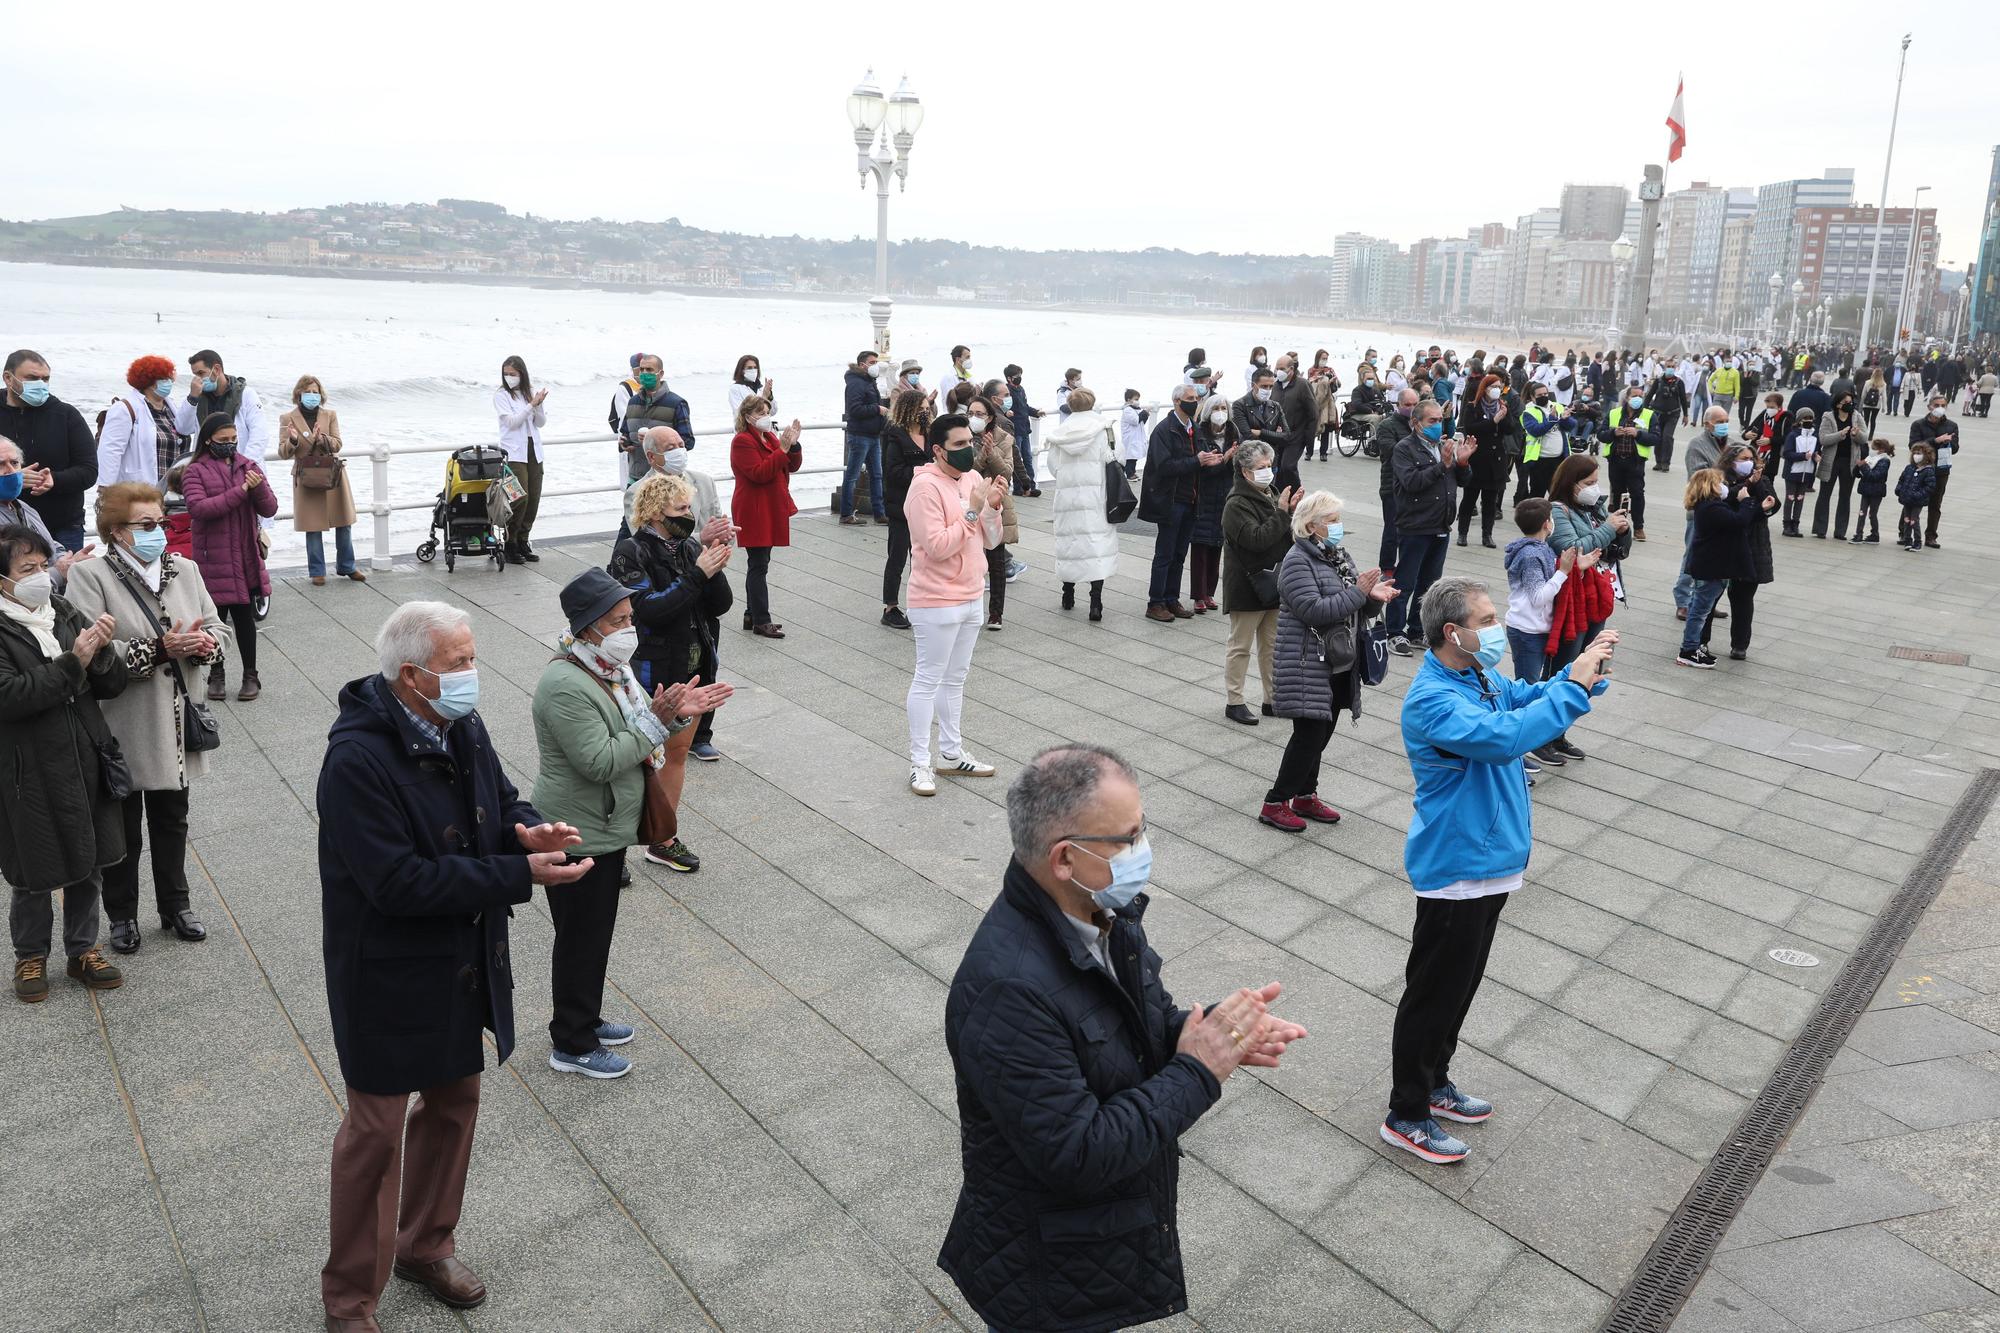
[146,1157]
[610,1191]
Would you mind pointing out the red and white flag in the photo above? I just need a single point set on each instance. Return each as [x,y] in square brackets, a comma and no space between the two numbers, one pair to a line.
[1677,135]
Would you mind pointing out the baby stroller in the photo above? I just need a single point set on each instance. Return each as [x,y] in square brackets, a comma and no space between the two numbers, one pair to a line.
[464,508]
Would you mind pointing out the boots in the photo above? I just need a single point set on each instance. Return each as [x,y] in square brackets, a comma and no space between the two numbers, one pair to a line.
[251,688]
[1486,537]
[218,684]
[1097,599]
[1463,530]
[1069,597]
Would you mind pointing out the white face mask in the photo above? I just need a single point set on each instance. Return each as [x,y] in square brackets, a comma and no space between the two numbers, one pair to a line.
[1493,394]
[977,423]
[1263,395]
[1937,411]
[750,375]
[619,645]
[676,460]
[1262,476]
[35,590]
[511,381]
[1283,374]
[765,422]
[1588,496]
[1219,418]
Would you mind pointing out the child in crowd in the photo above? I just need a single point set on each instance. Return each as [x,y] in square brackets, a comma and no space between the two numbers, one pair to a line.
[1535,574]
[1913,491]
[1871,477]
[1801,456]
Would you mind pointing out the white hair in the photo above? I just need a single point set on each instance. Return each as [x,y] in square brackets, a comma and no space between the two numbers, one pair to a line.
[411,632]
[1319,505]
[6,442]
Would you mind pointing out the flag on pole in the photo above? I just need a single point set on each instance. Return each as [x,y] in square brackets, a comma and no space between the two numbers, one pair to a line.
[1677,135]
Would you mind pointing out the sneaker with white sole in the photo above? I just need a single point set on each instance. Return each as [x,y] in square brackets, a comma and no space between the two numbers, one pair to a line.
[1448,1103]
[1423,1138]
[599,1063]
[1695,660]
[613,1034]
[1401,647]
[1016,568]
[923,780]
[964,766]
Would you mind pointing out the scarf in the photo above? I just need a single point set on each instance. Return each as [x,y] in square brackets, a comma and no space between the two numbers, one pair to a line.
[41,624]
[631,699]
[1581,602]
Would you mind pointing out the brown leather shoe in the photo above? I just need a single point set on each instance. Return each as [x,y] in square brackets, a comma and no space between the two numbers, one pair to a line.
[31,980]
[319,580]
[1160,613]
[448,1279]
[1179,612]
[358,576]
[94,972]
[251,687]
[772,630]
[365,1324]
[218,684]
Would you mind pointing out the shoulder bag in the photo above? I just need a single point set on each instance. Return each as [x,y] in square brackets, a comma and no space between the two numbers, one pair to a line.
[1119,502]
[200,732]
[657,820]
[1264,583]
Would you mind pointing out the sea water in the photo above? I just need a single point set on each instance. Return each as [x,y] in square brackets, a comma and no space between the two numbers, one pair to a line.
[407,363]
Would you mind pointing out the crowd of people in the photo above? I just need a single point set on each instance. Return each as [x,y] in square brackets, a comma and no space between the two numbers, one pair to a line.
[433,844]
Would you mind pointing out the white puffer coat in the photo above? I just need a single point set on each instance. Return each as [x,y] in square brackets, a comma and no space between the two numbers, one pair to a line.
[1078,447]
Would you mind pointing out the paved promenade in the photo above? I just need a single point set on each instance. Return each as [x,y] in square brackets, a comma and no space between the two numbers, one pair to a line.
[784,1155]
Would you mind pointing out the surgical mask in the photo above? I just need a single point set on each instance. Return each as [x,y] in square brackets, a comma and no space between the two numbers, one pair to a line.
[1201,390]
[763,423]
[10,486]
[1335,534]
[1637,400]
[163,387]
[35,590]
[34,392]
[750,376]
[150,546]
[914,382]
[960,458]
[1130,870]
[1433,431]
[310,401]
[1219,418]
[1007,403]
[1588,496]
[676,460]
[1262,476]
[1935,411]
[511,381]
[1404,409]
[1263,395]
[1721,430]
[619,645]
[1493,394]
[1492,646]
[1744,467]
[648,380]
[458,692]
[208,385]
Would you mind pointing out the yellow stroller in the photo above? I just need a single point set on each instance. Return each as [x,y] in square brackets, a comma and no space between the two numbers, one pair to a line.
[476,484]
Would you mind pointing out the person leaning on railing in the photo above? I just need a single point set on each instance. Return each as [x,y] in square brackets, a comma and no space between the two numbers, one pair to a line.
[762,503]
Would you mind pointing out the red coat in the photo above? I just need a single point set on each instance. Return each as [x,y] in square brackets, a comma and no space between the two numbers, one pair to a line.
[180,535]
[225,527]
[762,504]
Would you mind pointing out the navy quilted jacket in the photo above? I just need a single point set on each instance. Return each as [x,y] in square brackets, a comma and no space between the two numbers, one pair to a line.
[1071,1102]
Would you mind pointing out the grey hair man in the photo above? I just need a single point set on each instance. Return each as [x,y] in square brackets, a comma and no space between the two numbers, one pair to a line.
[1077,1075]
[666,454]
[423,845]
[15,509]
[1465,729]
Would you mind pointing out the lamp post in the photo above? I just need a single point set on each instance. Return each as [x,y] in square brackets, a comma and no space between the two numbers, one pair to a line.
[1777,284]
[1868,303]
[1621,255]
[1798,290]
[1905,303]
[878,124]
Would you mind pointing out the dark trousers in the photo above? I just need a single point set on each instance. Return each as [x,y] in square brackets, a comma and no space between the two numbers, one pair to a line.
[521,522]
[996,581]
[1024,464]
[369,1230]
[704,727]
[1628,477]
[242,618]
[1937,503]
[1869,515]
[1868,415]
[1842,485]
[1746,402]
[1170,548]
[1386,558]
[1285,471]
[1543,471]
[1419,563]
[1568,651]
[1909,529]
[585,914]
[757,584]
[1481,489]
[1204,571]
[1742,613]
[897,560]
[31,919]
[1298,771]
[1663,452]
[70,539]
[1797,487]
[164,814]
[1448,950]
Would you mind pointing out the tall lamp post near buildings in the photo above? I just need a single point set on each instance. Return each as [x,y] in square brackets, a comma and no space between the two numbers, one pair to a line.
[895,120]
[1881,211]
[1777,284]
[1798,290]
[1906,304]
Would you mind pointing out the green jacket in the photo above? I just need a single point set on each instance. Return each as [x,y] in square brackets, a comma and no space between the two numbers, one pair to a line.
[592,772]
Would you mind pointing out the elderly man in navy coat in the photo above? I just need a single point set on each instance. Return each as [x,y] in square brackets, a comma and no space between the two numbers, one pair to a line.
[424,848]
[1076,1074]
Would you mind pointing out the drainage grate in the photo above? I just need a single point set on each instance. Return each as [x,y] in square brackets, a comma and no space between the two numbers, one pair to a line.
[1684,1247]
[1938,655]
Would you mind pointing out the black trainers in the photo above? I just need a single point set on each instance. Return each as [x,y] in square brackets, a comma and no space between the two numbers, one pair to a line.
[1549,758]
[674,856]
[893,617]
[1565,749]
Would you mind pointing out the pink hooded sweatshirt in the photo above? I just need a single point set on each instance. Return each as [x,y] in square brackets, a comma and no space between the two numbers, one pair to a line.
[947,551]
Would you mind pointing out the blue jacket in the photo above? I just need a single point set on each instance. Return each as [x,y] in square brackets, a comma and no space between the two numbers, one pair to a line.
[418,872]
[862,406]
[1023,415]
[1071,1105]
[1465,744]
[1873,477]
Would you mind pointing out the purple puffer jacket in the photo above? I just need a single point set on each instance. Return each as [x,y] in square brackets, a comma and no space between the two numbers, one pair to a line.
[225,527]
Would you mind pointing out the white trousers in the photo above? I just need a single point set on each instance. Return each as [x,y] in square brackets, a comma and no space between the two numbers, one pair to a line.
[946,636]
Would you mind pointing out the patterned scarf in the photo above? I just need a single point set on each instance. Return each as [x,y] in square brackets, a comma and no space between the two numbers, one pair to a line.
[632,701]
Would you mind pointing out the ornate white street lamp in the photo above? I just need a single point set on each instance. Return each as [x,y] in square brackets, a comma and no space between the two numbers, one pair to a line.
[881,124]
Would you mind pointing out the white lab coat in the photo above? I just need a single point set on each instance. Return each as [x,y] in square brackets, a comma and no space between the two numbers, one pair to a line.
[1132,435]
[129,448]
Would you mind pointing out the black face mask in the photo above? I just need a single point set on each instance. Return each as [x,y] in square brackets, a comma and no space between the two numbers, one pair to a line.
[219,449]
[681,525]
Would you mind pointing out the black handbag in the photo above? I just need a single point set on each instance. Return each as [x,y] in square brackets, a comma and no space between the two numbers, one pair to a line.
[1371,652]
[200,732]
[112,771]
[1264,583]
[1119,502]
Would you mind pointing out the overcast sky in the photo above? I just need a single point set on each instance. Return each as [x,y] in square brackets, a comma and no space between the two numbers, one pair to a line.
[1201,126]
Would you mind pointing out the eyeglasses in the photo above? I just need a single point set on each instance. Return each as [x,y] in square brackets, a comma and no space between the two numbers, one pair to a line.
[1125,838]
[144,525]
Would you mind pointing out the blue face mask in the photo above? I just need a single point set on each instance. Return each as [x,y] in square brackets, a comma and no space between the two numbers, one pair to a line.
[1492,646]
[163,387]
[149,546]
[208,386]
[10,486]
[1721,430]
[1335,534]
[309,401]
[34,392]
[458,692]
[1434,431]
[1007,403]
[1130,870]
[1637,402]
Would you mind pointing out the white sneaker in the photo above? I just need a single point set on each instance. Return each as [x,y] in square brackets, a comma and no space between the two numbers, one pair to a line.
[922,780]
[964,766]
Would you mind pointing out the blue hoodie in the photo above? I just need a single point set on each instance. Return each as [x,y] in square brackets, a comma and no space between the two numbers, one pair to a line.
[1465,743]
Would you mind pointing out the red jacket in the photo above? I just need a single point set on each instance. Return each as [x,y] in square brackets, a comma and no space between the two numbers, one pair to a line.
[180,534]
[225,527]
[762,503]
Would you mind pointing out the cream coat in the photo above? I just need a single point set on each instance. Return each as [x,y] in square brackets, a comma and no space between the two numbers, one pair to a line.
[146,718]
[315,511]
[1078,447]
